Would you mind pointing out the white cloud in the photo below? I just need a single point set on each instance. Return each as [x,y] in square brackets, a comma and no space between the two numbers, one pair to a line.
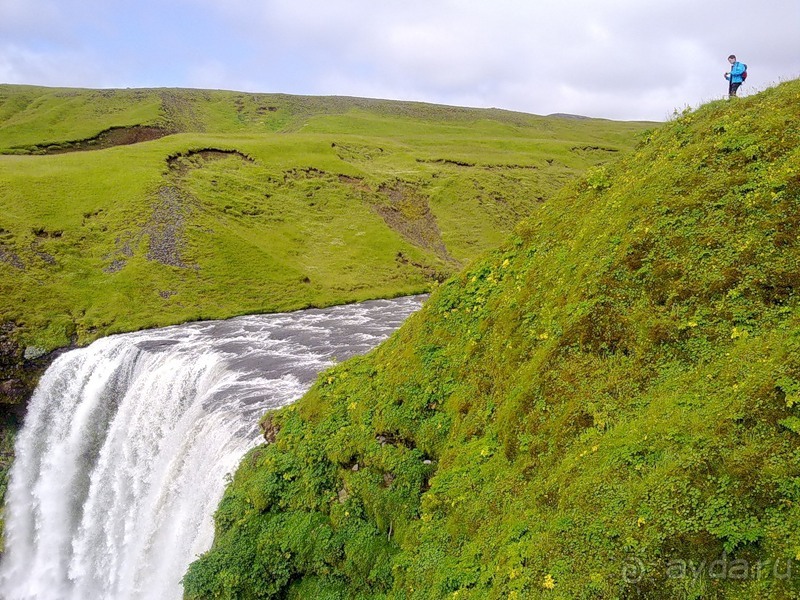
[25,16]
[20,65]
[612,58]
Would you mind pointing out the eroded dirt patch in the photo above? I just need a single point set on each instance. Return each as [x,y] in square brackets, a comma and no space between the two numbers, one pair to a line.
[593,151]
[472,165]
[180,164]
[10,257]
[406,210]
[408,213]
[354,182]
[164,231]
[165,228]
[7,255]
[115,136]
[402,205]
[446,161]
[171,209]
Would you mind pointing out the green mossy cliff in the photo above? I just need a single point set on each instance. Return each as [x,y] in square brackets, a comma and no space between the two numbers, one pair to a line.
[608,406]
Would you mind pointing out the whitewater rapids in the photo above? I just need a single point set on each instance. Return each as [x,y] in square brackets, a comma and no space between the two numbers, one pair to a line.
[127,445]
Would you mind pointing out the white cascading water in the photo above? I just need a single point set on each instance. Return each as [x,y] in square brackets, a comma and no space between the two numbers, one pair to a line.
[125,450]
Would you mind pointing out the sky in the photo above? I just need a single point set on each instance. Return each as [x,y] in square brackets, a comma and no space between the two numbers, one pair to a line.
[617,59]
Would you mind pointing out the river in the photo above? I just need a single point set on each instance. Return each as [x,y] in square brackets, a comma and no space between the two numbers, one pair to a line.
[127,444]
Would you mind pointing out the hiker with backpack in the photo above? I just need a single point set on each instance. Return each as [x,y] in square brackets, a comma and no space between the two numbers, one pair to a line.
[735,76]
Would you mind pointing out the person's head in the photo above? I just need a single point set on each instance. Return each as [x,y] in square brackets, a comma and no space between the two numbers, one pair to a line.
[732,58]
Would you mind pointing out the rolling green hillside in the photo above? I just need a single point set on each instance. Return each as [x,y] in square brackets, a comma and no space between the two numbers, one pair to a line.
[124,209]
[608,406]
[127,209]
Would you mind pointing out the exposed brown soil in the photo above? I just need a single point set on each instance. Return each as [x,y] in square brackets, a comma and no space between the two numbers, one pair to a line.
[446,161]
[164,230]
[409,214]
[305,173]
[115,136]
[11,258]
[486,167]
[585,150]
[429,272]
[7,255]
[402,206]
[171,209]
[166,226]
[180,164]
[355,182]
[269,429]
[405,209]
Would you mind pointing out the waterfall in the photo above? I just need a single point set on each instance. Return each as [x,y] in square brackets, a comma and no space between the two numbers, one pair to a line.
[127,444]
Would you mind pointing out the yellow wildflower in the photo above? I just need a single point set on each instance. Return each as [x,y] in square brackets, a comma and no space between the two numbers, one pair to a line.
[548,583]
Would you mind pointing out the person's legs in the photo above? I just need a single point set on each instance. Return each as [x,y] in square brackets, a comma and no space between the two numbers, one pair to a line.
[732,89]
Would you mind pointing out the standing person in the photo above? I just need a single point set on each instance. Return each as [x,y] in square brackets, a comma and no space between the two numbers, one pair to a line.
[735,76]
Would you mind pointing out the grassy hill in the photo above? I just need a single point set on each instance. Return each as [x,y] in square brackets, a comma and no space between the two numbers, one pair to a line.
[124,209]
[608,406]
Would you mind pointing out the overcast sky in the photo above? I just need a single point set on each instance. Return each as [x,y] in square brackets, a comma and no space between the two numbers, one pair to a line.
[619,59]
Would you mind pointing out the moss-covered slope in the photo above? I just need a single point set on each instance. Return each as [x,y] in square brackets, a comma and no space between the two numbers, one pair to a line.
[607,406]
